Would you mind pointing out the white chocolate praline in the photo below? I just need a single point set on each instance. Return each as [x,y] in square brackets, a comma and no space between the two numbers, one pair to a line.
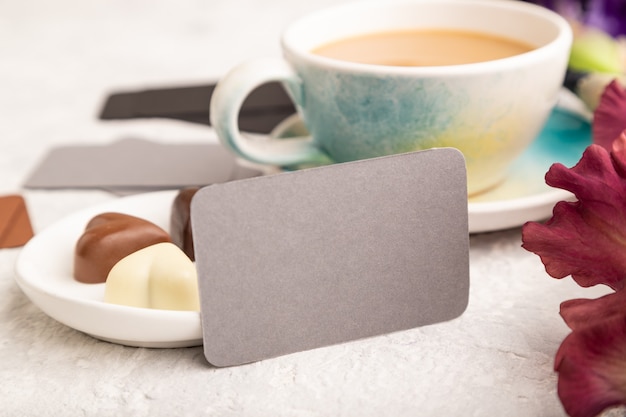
[160,276]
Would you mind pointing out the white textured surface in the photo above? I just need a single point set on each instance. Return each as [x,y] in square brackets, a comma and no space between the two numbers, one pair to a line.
[59,59]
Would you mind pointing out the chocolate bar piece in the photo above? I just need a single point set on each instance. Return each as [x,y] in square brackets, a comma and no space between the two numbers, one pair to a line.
[266,106]
[15,227]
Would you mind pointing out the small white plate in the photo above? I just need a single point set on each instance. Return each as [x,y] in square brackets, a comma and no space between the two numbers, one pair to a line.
[523,196]
[44,273]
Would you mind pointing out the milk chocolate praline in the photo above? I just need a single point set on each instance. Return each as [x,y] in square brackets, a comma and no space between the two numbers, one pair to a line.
[109,237]
[180,221]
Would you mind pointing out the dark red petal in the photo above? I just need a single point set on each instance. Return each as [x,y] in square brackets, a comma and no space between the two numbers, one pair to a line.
[583,312]
[618,153]
[587,238]
[591,363]
[609,118]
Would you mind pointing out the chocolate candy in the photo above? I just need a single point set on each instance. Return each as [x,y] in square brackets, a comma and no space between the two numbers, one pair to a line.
[159,276]
[180,221]
[15,227]
[109,237]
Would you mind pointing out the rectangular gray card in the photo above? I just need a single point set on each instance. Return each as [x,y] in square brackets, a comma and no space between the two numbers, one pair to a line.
[305,259]
[136,165]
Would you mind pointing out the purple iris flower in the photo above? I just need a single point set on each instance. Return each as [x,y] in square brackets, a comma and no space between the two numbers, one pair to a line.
[607,15]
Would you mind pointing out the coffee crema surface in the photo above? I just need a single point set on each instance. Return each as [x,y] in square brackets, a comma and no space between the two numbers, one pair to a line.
[422,47]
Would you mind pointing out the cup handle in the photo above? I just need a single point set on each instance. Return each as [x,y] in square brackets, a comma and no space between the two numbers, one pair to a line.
[226,102]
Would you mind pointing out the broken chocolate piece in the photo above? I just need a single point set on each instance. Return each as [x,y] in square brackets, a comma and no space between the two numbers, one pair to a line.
[15,226]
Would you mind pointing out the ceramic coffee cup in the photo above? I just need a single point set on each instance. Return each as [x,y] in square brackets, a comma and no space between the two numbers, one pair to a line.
[490,110]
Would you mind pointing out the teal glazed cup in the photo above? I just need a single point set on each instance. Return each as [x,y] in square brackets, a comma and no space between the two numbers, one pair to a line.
[491,111]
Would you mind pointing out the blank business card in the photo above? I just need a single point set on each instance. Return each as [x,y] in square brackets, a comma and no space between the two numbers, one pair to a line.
[305,259]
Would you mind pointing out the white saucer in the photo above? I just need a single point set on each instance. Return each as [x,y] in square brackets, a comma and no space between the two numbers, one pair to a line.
[524,195]
[44,273]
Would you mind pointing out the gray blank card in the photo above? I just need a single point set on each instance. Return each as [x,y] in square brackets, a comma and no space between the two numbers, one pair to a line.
[316,257]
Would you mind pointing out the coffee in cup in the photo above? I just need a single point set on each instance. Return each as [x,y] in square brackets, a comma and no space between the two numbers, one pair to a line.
[422,47]
[437,89]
